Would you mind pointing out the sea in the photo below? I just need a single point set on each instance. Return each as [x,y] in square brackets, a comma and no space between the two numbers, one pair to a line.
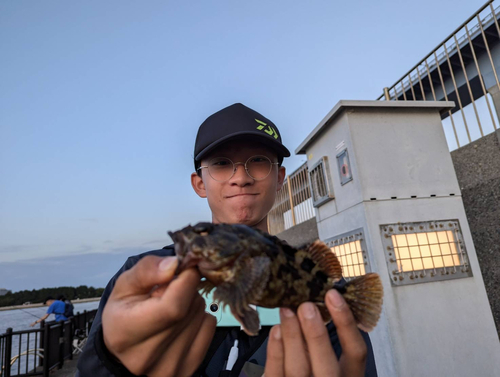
[20,319]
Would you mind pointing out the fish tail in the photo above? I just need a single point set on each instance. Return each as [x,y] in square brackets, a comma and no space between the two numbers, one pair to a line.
[364,295]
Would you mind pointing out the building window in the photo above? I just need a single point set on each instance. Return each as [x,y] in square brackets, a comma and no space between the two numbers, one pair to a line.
[350,248]
[425,251]
[321,186]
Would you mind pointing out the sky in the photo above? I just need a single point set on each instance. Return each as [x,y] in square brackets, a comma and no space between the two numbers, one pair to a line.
[100,102]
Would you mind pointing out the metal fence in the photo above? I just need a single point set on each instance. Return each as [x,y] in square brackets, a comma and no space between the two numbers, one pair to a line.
[293,203]
[38,351]
[462,68]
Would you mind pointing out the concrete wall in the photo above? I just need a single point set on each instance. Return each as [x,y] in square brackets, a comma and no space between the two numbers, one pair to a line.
[478,171]
[300,234]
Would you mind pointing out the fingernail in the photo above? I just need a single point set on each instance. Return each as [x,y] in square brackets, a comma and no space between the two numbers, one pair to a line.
[277,333]
[167,263]
[335,299]
[308,310]
[286,312]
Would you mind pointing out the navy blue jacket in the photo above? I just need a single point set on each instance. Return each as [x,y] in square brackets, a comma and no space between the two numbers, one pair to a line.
[96,361]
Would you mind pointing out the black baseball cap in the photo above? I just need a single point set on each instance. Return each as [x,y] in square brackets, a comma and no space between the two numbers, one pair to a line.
[233,122]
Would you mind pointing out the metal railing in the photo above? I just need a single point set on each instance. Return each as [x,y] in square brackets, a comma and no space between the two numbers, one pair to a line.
[455,70]
[293,203]
[38,351]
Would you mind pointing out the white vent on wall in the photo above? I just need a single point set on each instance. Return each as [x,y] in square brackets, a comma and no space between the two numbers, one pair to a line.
[321,184]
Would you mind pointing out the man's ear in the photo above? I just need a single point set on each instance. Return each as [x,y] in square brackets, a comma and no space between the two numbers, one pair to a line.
[281,177]
[198,185]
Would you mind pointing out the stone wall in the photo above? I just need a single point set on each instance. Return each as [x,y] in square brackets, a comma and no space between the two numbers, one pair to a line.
[478,171]
[301,234]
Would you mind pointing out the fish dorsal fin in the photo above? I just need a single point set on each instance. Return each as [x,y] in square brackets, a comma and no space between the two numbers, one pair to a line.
[326,259]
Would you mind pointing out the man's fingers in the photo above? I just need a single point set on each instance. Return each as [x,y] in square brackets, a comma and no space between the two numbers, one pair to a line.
[323,359]
[179,295]
[199,346]
[147,273]
[295,354]
[353,359]
[275,354]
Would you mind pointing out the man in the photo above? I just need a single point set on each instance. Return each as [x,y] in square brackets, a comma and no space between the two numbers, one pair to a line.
[55,307]
[152,323]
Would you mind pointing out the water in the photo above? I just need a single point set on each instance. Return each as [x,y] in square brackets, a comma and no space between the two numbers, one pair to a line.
[20,319]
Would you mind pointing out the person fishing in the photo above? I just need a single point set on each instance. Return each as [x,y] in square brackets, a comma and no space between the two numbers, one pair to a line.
[56,307]
[151,322]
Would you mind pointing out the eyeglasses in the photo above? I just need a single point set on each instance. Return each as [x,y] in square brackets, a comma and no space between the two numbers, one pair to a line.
[222,169]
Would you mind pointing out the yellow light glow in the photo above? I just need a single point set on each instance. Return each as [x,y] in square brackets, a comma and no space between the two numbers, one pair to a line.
[426,250]
[351,258]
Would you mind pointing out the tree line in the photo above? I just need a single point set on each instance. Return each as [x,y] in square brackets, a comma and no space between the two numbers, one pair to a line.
[39,295]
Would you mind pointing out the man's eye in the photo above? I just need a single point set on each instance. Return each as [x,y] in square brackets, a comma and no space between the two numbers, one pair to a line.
[220,163]
[258,159]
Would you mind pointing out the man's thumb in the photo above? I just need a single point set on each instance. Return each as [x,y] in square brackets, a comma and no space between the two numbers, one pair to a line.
[147,273]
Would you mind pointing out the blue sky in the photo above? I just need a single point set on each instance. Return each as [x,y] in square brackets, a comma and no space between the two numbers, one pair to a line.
[100,102]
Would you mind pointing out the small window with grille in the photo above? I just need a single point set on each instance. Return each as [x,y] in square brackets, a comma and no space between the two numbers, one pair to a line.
[321,187]
[425,251]
[350,249]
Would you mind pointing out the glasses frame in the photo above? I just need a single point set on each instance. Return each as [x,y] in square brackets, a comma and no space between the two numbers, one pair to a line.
[240,163]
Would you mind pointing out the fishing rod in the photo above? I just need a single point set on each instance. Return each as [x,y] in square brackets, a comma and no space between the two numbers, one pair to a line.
[24,310]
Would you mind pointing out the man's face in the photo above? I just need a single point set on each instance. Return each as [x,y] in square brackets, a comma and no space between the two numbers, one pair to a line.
[241,199]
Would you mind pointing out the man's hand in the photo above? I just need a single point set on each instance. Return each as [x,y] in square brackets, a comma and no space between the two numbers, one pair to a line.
[154,324]
[301,346]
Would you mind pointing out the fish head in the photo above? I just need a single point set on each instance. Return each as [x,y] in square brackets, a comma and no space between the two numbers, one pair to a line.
[212,247]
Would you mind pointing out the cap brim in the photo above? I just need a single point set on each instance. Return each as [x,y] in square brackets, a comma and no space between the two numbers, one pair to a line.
[274,145]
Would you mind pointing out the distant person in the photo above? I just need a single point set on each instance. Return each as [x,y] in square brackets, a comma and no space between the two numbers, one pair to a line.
[55,307]
[68,306]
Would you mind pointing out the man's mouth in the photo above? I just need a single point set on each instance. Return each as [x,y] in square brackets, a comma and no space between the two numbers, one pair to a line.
[239,195]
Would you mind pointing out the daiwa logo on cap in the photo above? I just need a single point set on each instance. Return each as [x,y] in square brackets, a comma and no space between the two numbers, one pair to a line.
[270,130]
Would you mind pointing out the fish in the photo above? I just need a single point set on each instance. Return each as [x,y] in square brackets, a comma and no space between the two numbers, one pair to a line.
[247,266]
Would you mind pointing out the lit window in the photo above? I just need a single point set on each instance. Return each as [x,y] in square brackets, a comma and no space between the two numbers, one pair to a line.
[425,251]
[350,250]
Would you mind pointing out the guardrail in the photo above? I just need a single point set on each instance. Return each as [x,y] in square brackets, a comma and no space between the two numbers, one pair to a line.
[293,203]
[38,351]
[456,70]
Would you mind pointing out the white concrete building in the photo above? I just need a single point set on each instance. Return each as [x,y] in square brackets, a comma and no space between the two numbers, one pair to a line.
[387,201]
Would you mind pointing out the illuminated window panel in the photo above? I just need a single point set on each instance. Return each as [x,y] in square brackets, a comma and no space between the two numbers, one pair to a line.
[425,251]
[350,249]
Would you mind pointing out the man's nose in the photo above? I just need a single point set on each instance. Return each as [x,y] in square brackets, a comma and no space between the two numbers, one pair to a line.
[240,173]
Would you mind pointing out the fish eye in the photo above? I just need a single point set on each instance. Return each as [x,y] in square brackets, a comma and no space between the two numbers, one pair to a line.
[202,229]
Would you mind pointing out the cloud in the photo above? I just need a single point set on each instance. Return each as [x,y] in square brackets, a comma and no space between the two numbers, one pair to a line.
[91,269]
[90,220]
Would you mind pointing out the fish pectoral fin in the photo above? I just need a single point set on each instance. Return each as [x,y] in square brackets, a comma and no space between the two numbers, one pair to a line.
[205,287]
[326,259]
[246,289]
[249,321]
[325,314]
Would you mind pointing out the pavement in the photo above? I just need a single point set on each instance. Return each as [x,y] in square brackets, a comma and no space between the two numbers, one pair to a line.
[68,369]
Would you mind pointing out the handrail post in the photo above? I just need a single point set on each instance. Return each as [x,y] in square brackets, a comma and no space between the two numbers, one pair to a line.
[8,351]
[46,351]
[386,94]
[41,342]
[291,199]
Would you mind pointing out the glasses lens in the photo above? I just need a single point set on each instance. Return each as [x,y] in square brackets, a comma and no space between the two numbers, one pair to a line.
[220,168]
[258,167]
